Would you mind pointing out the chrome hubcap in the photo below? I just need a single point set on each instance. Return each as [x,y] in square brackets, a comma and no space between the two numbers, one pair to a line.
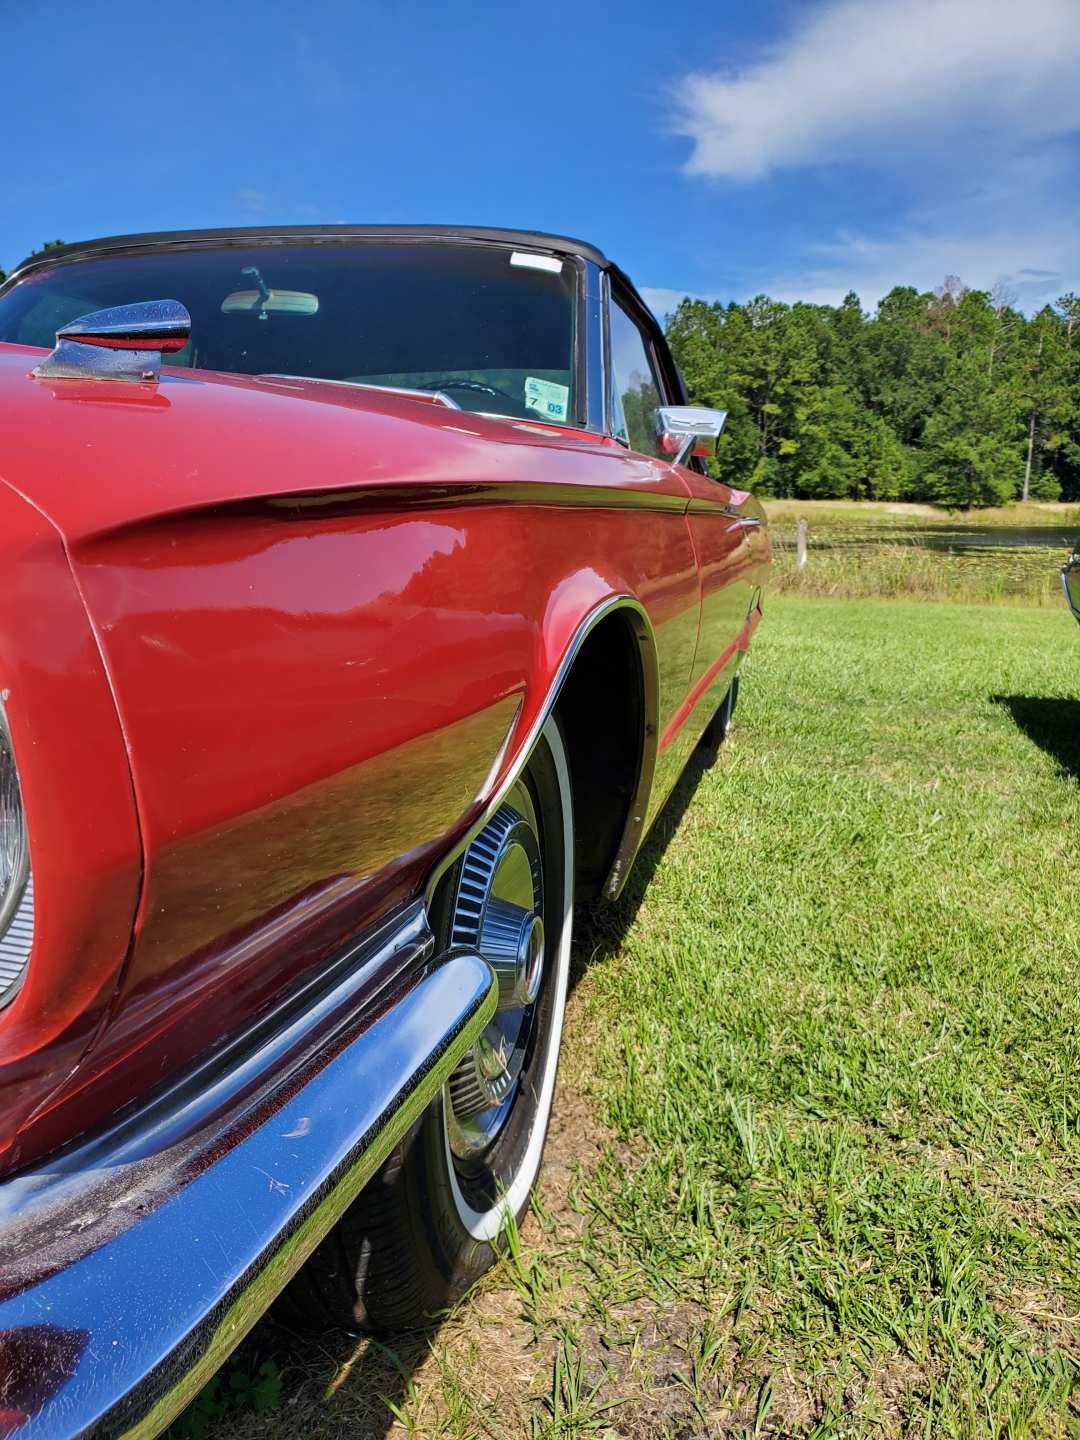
[512,942]
[498,910]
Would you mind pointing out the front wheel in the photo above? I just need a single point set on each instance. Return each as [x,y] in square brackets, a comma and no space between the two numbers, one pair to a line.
[428,1224]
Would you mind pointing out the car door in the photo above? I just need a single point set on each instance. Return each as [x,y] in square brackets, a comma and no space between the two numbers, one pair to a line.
[725,525]
[643,379]
[637,387]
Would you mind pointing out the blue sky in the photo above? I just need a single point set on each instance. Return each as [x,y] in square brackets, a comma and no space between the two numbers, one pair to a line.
[798,147]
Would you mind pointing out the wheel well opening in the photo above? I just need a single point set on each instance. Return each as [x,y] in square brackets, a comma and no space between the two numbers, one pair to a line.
[602,710]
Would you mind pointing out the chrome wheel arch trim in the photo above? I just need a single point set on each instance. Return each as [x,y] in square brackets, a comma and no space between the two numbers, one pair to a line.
[633,829]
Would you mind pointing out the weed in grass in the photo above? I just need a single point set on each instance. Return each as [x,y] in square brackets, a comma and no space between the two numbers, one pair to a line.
[572,1406]
[707,1353]
[403,1412]
[742,1117]
[527,1275]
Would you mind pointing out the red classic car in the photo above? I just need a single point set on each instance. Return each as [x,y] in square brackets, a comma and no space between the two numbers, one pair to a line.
[339,655]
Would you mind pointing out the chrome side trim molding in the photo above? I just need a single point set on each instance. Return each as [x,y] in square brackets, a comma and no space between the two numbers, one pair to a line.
[635,820]
[699,505]
[129,1274]
[440,496]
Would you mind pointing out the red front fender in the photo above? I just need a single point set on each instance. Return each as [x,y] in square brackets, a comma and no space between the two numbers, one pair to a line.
[84,839]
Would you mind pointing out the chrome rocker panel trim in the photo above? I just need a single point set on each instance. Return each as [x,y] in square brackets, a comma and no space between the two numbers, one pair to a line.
[131,1267]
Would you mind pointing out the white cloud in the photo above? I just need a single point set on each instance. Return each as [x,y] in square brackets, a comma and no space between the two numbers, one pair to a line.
[274,204]
[1036,263]
[964,112]
[663,300]
[255,201]
[864,77]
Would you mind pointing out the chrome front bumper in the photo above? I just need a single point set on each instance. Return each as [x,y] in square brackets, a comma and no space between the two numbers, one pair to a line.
[131,1266]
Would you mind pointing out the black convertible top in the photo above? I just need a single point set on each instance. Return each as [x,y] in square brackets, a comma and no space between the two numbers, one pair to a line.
[256,234]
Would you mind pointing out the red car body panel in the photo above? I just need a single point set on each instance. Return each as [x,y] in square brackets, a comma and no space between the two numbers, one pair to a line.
[84,835]
[328,618]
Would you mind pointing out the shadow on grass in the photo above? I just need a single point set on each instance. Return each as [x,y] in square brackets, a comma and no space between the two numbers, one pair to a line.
[331,1383]
[1052,723]
[364,1379]
[599,930]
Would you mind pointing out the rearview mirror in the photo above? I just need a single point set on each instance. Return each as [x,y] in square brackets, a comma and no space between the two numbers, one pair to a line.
[688,429]
[273,302]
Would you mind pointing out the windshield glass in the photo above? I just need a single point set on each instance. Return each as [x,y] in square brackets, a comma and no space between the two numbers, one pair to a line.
[492,327]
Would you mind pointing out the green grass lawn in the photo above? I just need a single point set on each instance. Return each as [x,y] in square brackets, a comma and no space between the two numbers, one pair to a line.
[841,1034]
[816,1166]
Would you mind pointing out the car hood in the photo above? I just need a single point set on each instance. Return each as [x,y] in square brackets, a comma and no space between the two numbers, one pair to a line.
[97,455]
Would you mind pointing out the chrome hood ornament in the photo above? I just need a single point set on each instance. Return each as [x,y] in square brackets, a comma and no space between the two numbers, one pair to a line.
[125,342]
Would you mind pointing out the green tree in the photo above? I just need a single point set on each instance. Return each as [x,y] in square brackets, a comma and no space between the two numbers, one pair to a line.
[905,362]
[858,455]
[972,451]
[949,395]
[704,339]
[1045,398]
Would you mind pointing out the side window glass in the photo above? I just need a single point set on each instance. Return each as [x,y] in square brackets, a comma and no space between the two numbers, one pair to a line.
[635,391]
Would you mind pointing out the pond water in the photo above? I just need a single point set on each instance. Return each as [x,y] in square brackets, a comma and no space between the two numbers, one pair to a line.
[997,537]
[956,539]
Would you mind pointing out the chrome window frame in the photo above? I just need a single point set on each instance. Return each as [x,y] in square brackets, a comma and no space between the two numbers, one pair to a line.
[656,349]
[592,369]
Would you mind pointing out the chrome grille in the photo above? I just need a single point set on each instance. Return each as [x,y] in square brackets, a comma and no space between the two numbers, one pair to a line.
[15,944]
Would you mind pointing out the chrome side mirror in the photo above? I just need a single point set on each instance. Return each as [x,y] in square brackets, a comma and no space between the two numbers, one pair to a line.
[688,429]
[125,342]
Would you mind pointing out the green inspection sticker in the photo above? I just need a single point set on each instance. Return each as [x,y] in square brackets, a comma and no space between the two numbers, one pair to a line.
[546,398]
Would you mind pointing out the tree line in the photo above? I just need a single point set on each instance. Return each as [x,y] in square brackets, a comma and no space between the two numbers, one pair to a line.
[952,396]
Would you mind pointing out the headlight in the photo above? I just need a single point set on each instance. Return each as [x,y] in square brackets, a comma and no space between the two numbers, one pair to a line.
[16,880]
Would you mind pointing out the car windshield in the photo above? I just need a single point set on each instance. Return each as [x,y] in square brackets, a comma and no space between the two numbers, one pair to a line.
[490,326]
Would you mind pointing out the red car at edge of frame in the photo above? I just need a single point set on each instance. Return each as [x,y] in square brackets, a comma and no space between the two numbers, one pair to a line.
[365,592]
